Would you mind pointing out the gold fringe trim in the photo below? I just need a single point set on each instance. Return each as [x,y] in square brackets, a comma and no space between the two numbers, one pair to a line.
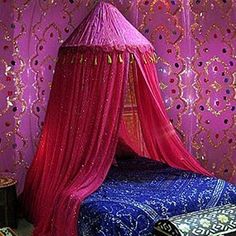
[109,60]
[120,58]
[153,58]
[95,60]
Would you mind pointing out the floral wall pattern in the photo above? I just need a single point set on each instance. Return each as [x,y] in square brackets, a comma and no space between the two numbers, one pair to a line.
[195,43]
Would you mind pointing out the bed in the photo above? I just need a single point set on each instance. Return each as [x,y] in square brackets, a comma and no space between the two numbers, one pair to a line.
[138,192]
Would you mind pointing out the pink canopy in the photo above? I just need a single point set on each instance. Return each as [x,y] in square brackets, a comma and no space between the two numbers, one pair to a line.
[105,90]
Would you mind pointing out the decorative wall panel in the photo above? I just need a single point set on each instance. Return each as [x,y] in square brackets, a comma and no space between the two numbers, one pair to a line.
[195,42]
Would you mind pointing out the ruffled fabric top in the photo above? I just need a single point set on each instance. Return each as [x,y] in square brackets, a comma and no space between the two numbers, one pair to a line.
[107,29]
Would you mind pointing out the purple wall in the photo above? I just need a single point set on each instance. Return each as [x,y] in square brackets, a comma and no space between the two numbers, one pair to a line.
[195,42]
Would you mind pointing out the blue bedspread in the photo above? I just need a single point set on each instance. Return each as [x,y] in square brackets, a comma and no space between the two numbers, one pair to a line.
[139,192]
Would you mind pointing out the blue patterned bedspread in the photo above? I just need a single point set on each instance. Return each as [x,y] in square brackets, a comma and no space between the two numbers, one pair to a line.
[139,192]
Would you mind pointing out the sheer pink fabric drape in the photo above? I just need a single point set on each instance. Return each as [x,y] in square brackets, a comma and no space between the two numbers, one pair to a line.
[81,132]
[148,130]
[159,134]
[78,140]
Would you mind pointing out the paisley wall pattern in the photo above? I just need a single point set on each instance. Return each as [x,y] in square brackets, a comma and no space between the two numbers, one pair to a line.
[195,43]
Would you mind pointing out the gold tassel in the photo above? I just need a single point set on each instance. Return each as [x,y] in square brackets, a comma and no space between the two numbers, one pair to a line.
[81,59]
[95,60]
[151,58]
[120,59]
[132,58]
[155,57]
[144,59]
[109,60]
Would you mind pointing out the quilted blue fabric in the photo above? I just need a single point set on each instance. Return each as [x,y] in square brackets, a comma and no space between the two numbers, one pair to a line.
[138,192]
